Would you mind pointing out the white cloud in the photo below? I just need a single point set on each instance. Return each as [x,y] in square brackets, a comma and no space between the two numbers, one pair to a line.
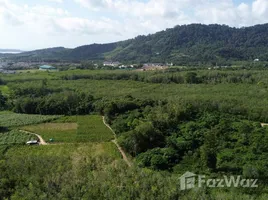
[50,26]
[8,16]
[42,26]
[56,1]
[202,11]
[79,26]
[93,4]
[260,10]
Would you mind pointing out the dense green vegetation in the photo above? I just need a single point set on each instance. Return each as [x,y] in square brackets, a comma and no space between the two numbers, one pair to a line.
[187,44]
[13,119]
[15,137]
[95,173]
[237,92]
[169,122]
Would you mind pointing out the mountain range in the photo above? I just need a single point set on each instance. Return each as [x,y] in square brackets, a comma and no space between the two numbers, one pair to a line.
[192,43]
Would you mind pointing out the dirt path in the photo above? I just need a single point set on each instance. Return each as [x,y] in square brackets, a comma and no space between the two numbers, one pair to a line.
[41,140]
[115,142]
[264,124]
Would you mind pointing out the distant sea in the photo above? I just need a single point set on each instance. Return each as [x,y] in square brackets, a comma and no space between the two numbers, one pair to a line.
[12,52]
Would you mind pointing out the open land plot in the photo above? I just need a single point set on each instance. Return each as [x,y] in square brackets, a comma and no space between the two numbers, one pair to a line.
[73,129]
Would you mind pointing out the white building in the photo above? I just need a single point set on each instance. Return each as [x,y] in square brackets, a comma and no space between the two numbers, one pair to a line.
[112,64]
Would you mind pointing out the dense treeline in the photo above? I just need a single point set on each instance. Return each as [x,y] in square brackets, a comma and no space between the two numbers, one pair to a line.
[37,100]
[1,82]
[67,103]
[3,101]
[175,137]
[63,93]
[170,77]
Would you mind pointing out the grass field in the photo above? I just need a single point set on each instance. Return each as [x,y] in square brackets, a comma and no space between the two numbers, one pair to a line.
[15,120]
[28,71]
[73,129]
[59,132]
[92,128]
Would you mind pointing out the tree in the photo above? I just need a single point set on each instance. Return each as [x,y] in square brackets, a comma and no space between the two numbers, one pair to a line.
[1,81]
[209,151]
[3,100]
[191,77]
[144,137]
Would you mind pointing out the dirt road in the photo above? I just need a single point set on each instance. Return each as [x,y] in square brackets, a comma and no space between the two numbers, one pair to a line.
[115,142]
[264,124]
[41,140]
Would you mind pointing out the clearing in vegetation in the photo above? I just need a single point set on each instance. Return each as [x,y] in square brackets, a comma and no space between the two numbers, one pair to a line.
[59,132]
[73,129]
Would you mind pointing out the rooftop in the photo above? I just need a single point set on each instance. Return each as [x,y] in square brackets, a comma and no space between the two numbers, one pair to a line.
[47,67]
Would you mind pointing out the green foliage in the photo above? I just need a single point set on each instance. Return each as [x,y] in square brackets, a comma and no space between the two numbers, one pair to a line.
[209,150]
[204,121]
[3,100]
[15,120]
[158,158]
[15,137]
[191,77]
[4,90]
[211,138]
[67,103]
[168,76]
[1,82]
[142,138]
[95,173]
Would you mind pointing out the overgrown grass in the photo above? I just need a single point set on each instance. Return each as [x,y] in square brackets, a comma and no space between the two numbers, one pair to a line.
[89,171]
[91,128]
[15,137]
[15,120]
[67,150]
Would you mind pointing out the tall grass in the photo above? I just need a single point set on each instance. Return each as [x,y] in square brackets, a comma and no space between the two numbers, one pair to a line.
[15,120]
[15,137]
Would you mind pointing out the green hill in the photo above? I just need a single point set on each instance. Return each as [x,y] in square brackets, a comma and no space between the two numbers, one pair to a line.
[182,44]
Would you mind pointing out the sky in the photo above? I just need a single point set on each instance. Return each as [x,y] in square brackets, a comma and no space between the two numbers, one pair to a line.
[36,24]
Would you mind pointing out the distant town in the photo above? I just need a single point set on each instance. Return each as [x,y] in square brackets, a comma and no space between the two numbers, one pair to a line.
[11,67]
